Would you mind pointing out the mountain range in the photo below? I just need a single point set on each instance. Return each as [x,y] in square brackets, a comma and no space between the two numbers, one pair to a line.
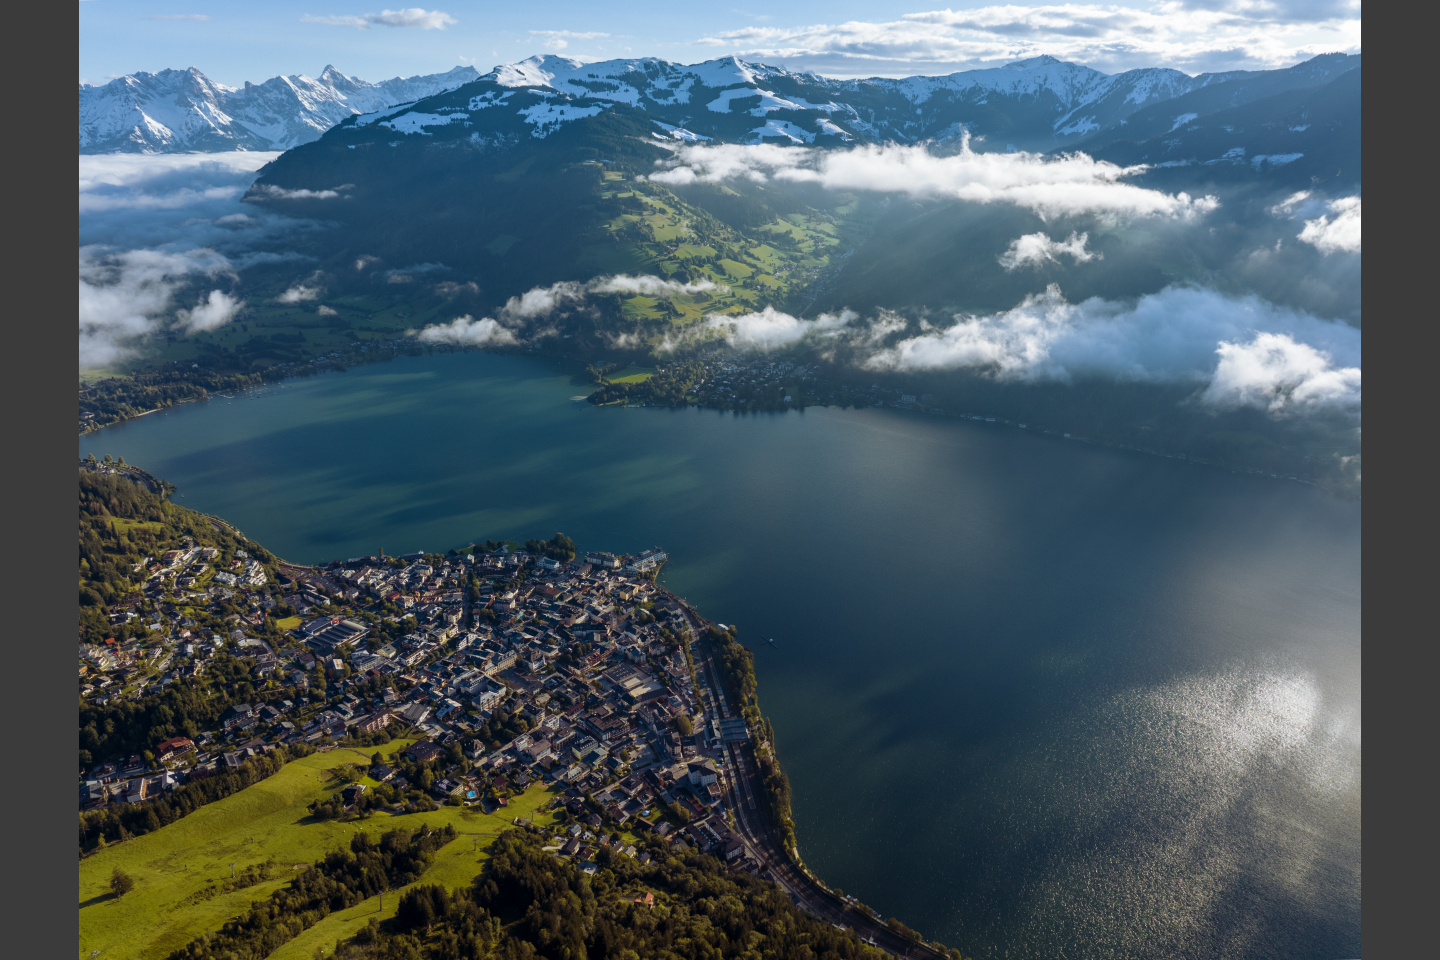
[1036,104]
[184,111]
[562,204]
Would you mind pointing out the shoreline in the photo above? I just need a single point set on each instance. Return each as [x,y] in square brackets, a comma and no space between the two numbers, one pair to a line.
[414,348]
[741,779]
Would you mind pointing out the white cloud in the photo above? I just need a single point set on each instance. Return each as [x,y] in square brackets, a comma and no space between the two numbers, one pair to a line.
[1337,235]
[1050,186]
[325,311]
[272,192]
[540,301]
[1037,249]
[467,331]
[124,296]
[651,286]
[559,39]
[1192,36]
[297,293]
[1288,206]
[413,17]
[216,310]
[150,226]
[1267,356]
[1273,371]
[770,329]
[121,182]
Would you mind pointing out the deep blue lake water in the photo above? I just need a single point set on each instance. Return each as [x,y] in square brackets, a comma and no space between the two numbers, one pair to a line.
[1036,699]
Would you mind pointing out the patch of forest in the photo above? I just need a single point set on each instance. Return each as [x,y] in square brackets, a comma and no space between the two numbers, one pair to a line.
[530,904]
[121,523]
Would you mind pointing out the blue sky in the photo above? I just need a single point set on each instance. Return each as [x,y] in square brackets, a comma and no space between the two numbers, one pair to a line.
[255,40]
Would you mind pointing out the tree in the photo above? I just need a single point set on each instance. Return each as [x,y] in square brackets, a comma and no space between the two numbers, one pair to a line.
[686,727]
[121,882]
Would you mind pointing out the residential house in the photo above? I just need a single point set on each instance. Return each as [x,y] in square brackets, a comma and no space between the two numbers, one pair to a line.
[174,748]
[703,772]
[424,751]
[376,721]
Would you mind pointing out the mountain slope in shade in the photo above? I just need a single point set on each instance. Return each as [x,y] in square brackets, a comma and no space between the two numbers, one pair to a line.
[1160,119]
[176,111]
[1305,136]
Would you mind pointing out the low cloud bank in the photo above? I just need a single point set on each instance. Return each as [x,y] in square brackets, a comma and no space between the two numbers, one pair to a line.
[211,313]
[1331,226]
[1275,372]
[1037,249]
[1050,186]
[542,302]
[1238,351]
[268,191]
[125,296]
[771,329]
[650,286]
[1246,351]
[151,227]
[1338,235]
[469,332]
[298,293]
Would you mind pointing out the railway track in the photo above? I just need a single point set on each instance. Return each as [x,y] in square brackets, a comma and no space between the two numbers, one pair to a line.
[744,793]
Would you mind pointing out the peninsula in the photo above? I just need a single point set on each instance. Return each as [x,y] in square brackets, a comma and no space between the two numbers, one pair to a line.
[565,699]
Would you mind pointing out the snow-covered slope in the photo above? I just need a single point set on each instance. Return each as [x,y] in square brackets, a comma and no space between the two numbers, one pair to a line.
[177,111]
[1041,102]
[1036,104]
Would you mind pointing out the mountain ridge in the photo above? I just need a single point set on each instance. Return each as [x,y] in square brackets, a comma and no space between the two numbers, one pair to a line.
[181,111]
[1036,104]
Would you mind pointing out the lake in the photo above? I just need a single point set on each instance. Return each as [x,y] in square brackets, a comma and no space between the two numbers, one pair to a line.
[1035,698]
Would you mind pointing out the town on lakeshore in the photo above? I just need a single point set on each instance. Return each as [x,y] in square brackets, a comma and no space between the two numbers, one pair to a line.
[468,679]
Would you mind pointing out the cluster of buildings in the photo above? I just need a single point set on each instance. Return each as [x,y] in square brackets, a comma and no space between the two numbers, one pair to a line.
[184,567]
[756,380]
[590,654]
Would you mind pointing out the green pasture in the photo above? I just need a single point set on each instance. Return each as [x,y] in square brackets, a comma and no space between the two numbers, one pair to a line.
[735,268]
[642,308]
[632,375]
[174,866]
[124,525]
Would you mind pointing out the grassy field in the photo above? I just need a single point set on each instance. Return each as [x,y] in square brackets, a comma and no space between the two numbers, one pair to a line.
[126,526]
[631,375]
[288,623]
[174,866]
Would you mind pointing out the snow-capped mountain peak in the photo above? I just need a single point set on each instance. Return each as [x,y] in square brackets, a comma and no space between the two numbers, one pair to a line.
[1038,103]
[183,110]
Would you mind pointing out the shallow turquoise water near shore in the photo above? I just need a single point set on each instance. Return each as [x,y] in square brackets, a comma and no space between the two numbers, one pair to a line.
[1036,699]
